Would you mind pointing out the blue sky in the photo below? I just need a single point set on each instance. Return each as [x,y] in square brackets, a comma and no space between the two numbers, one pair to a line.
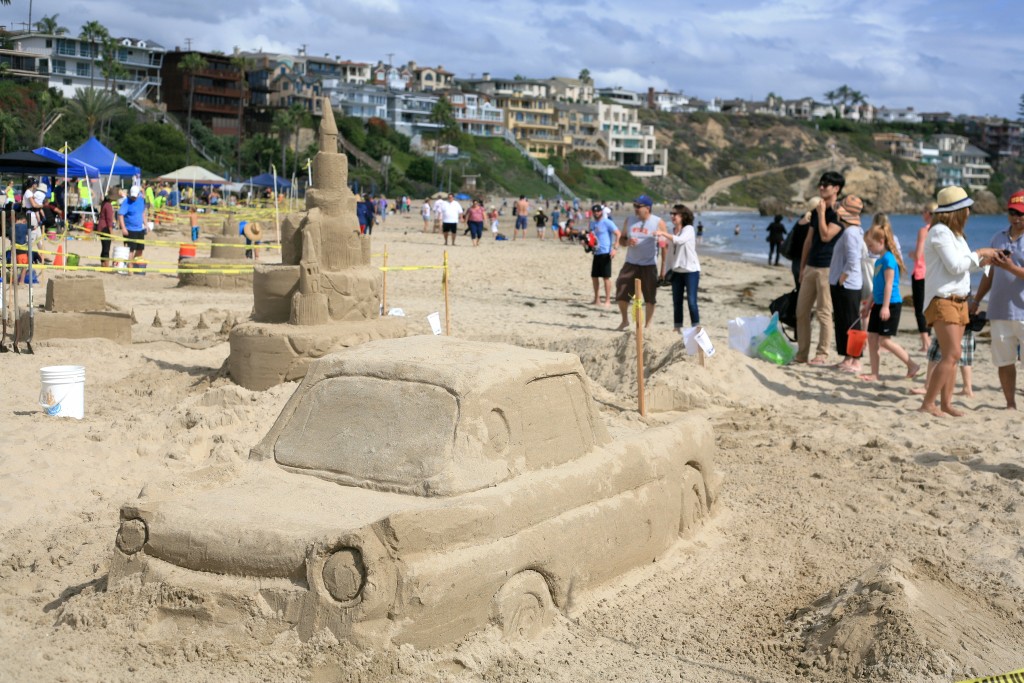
[934,55]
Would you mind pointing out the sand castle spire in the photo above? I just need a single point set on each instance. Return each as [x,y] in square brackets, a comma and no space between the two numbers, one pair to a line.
[328,128]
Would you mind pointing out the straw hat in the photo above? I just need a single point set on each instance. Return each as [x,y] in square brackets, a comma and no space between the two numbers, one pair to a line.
[253,231]
[849,210]
[952,199]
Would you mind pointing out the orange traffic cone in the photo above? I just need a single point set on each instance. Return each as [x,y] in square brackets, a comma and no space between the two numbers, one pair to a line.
[58,260]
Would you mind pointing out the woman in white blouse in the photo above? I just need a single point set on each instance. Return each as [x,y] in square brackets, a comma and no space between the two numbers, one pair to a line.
[684,265]
[947,286]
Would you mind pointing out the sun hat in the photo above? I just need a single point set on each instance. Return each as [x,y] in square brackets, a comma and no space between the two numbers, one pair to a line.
[1016,201]
[643,200]
[40,196]
[849,209]
[951,199]
[134,192]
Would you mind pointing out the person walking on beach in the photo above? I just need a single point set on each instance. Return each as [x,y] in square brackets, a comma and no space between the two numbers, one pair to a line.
[438,207]
[776,236]
[886,302]
[475,220]
[451,213]
[522,213]
[131,217]
[845,280]
[684,265]
[425,214]
[1006,305]
[541,221]
[918,274]
[641,260]
[105,224]
[606,236]
[814,264]
[949,262]
[493,217]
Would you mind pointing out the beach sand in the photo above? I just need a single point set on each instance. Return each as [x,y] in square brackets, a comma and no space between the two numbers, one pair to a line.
[854,538]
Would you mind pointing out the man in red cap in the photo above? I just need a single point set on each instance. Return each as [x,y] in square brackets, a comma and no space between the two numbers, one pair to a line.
[1005,281]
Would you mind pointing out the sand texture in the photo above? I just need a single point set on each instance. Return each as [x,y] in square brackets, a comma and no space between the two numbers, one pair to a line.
[854,538]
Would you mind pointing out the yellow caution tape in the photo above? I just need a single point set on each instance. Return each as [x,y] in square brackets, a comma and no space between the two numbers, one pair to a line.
[388,268]
[1012,677]
[638,309]
[140,268]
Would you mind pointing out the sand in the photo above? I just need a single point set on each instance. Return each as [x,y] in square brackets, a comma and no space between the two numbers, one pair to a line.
[855,538]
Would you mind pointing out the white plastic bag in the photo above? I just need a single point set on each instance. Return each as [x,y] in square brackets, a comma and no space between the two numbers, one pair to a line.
[742,332]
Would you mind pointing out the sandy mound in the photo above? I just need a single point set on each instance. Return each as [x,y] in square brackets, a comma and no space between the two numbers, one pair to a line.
[906,621]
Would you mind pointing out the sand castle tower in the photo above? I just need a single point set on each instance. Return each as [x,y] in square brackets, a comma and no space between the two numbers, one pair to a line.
[325,295]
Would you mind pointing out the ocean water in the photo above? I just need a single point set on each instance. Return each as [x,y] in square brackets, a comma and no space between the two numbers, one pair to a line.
[751,245]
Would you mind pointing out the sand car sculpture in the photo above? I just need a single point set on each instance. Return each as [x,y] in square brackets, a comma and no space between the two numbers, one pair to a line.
[414,490]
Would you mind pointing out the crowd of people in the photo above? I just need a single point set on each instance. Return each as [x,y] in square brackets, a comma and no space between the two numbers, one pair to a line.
[846,277]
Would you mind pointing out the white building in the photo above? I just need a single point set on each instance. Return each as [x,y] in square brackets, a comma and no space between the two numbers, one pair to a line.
[72,64]
[665,100]
[627,98]
[906,115]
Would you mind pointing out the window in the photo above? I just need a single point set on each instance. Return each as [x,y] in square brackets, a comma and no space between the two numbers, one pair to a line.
[82,68]
[66,47]
[60,66]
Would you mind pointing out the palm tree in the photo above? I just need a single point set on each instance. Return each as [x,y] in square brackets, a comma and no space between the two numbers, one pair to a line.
[93,107]
[9,125]
[110,67]
[50,27]
[243,64]
[282,125]
[49,109]
[92,33]
[191,63]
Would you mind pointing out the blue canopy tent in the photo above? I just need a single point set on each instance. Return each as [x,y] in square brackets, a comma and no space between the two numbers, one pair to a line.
[75,168]
[92,151]
[267,180]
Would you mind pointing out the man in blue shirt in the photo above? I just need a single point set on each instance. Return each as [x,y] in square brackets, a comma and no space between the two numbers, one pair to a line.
[1006,305]
[131,217]
[607,236]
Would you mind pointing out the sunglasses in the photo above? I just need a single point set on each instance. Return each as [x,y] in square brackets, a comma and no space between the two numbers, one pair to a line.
[1015,214]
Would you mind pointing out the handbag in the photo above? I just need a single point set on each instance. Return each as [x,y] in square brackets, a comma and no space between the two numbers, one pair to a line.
[867,274]
[785,306]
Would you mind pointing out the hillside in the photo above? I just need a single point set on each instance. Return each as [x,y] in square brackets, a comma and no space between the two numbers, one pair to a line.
[779,159]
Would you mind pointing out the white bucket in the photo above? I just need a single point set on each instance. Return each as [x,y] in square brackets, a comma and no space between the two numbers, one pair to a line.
[63,390]
[120,256]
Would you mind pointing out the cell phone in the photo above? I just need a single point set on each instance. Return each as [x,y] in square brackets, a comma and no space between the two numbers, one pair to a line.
[1006,252]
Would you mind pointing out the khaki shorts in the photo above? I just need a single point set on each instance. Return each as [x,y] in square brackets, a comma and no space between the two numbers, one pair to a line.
[946,311]
[1007,337]
[625,285]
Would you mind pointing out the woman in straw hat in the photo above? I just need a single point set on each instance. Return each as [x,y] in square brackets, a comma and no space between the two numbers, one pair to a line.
[947,287]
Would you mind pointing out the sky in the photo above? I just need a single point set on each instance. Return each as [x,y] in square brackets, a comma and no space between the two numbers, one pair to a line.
[963,57]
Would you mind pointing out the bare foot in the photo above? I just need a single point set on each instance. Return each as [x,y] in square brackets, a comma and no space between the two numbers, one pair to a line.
[1011,406]
[931,410]
[919,391]
[913,370]
[594,302]
[966,392]
[955,412]
[607,304]
[623,326]
[868,378]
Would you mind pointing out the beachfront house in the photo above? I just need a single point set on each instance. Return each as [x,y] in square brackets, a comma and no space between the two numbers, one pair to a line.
[70,64]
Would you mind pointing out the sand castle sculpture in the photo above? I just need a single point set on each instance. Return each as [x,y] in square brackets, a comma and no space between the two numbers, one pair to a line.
[76,308]
[226,267]
[325,295]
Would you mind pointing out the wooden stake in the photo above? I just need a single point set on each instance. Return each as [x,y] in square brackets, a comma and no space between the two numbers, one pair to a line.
[641,401]
[384,286]
[701,356]
[447,310]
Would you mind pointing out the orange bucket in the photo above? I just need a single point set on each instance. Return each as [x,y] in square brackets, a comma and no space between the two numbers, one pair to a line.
[855,341]
[87,227]
[186,251]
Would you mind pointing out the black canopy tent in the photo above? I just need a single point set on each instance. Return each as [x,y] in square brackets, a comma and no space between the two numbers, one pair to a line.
[28,162]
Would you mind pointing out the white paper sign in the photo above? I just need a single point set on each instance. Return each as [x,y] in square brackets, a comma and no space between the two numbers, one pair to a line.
[435,322]
[704,342]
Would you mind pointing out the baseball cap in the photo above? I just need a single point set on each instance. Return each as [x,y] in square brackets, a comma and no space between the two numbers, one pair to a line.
[597,208]
[1016,201]
[134,192]
[643,200]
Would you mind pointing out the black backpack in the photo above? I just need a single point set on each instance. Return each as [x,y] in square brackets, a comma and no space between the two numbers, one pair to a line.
[785,306]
